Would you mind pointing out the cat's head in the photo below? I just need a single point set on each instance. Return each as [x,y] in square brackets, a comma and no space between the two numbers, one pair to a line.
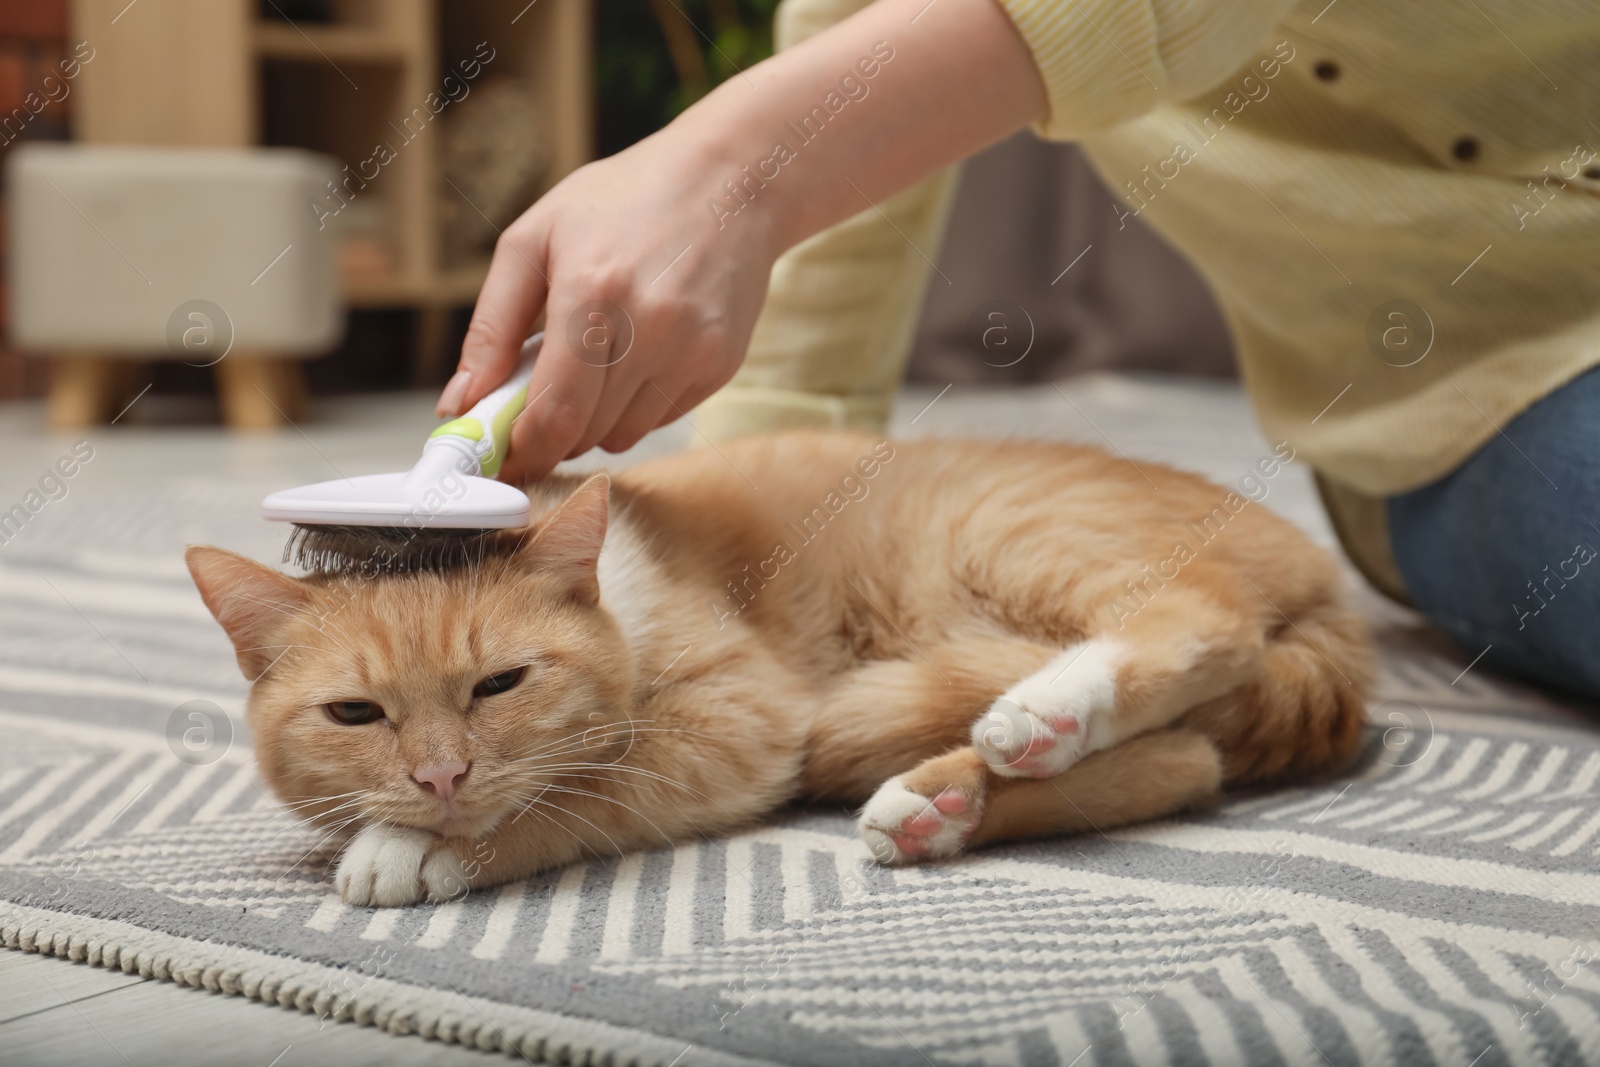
[443,701]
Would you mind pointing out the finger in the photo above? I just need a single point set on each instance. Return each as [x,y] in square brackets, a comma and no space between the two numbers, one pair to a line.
[562,396]
[691,396]
[671,410]
[715,371]
[509,303]
[647,410]
[601,334]
[614,401]
[621,390]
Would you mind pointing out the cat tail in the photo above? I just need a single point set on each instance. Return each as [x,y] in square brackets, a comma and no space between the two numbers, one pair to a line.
[1304,713]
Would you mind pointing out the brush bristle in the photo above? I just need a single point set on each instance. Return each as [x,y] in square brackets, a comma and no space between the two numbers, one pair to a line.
[373,550]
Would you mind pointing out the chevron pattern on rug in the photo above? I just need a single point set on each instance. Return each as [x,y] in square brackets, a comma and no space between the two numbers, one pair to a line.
[1441,905]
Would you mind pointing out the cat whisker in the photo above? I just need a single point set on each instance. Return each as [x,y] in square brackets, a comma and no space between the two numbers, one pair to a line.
[565,770]
[338,809]
[603,736]
[611,800]
[377,815]
[632,725]
[309,812]
[531,807]
[329,833]
[293,805]
[316,846]
[350,809]
[627,767]
[586,731]
[618,849]
[297,822]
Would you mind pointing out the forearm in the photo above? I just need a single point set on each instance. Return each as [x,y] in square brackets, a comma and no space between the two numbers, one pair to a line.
[897,92]
[633,254]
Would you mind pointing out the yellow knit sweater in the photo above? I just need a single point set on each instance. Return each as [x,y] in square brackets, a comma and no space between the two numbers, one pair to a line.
[1396,203]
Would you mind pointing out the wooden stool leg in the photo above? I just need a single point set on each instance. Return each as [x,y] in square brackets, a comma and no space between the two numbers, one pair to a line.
[433,325]
[258,392]
[83,389]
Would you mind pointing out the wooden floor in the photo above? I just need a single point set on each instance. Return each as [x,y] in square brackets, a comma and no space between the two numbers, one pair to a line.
[59,1014]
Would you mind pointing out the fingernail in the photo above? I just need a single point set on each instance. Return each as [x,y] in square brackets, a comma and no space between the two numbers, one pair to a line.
[455,391]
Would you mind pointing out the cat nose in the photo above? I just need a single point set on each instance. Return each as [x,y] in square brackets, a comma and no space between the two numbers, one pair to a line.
[441,779]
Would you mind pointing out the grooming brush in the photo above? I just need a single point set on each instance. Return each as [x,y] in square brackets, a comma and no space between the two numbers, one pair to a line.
[443,512]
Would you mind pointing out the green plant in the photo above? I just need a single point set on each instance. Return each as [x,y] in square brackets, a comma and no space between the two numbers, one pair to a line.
[656,57]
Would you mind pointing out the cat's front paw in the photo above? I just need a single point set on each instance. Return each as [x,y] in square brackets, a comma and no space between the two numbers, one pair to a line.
[901,826]
[390,866]
[1053,718]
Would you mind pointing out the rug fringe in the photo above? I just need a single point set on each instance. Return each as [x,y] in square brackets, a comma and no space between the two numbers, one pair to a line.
[401,1011]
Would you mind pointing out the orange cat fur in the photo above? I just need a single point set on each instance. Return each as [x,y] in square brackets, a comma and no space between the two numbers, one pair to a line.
[979,641]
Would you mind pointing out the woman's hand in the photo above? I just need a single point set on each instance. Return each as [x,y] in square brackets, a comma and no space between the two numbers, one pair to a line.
[651,266]
[649,306]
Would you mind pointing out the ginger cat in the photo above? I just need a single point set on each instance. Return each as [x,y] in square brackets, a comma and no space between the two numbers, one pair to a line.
[980,641]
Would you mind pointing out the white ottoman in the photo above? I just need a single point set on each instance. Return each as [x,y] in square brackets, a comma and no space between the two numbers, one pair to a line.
[212,256]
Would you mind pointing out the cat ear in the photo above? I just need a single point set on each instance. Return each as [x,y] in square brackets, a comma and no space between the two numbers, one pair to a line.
[568,542]
[249,600]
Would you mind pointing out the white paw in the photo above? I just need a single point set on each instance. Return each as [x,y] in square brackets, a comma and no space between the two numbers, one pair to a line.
[1054,717]
[389,866]
[900,826]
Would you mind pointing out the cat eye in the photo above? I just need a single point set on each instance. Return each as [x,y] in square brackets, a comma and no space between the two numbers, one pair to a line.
[353,712]
[497,683]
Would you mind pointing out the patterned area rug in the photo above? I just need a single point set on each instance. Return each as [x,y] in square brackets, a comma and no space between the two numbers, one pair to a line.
[1440,906]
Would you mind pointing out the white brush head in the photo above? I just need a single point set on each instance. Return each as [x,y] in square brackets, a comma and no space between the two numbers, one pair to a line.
[471,503]
[438,493]
[441,513]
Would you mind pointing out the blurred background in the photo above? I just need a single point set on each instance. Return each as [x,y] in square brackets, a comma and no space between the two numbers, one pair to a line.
[434,124]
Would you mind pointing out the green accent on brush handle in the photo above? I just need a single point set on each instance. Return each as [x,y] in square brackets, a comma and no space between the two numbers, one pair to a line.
[469,428]
[500,431]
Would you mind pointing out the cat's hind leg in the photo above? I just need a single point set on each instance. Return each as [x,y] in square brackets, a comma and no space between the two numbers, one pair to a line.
[956,801]
[1141,673]
[888,716]
[1147,777]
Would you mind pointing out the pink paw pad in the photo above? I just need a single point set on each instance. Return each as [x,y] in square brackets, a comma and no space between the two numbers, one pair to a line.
[910,844]
[1035,746]
[931,820]
[1030,766]
[901,825]
[1018,743]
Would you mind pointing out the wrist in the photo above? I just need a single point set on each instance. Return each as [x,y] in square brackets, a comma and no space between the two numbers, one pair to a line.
[741,186]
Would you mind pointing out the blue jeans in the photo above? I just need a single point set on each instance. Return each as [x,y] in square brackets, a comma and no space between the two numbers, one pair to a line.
[1504,552]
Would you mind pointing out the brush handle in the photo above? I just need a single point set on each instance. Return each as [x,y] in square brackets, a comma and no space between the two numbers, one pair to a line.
[485,430]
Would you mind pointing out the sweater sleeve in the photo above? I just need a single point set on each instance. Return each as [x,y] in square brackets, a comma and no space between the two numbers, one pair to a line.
[1105,62]
[842,307]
